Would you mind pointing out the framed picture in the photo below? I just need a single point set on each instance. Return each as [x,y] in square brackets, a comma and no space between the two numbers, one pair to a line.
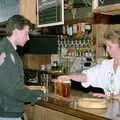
[50,13]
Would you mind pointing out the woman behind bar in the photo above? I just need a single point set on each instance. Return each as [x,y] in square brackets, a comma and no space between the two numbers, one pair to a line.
[105,75]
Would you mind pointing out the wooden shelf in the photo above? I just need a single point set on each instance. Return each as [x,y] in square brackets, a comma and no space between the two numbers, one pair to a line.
[113,9]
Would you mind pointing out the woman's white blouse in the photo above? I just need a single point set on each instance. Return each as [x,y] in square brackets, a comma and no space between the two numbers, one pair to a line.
[101,76]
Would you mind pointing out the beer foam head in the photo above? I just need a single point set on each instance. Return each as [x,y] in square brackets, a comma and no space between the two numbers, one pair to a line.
[66,81]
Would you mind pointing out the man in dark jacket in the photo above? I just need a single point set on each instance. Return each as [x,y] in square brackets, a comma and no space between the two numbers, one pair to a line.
[12,92]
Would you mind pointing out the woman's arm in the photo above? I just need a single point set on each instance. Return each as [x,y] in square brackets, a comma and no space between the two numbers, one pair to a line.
[75,77]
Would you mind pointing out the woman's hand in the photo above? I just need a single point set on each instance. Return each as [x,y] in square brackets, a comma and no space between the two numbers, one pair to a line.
[99,95]
[116,97]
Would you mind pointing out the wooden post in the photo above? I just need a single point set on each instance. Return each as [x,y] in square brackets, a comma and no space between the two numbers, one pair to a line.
[95,4]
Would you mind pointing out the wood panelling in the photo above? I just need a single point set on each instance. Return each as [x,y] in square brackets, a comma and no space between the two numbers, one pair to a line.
[102,19]
[33,61]
[29,112]
[42,113]
[99,32]
[100,29]
[28,9]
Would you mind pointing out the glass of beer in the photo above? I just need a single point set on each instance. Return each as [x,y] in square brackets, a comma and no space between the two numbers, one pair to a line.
[57,87]
[66,87]
[62,87]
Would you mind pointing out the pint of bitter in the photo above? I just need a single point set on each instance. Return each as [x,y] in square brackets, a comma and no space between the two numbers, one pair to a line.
[62,88]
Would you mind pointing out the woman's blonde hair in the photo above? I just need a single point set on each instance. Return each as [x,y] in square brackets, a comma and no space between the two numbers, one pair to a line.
[112,35]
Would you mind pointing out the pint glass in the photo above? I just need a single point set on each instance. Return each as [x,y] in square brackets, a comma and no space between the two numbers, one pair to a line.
[62,87]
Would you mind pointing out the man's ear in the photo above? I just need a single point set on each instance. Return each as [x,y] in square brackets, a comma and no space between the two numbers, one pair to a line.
[15,31]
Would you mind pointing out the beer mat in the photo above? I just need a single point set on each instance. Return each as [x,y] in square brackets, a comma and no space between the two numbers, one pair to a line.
[36,87]
[58,97]
[92,103]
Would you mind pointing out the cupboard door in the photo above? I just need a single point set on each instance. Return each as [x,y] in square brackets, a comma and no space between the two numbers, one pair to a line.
[28,9]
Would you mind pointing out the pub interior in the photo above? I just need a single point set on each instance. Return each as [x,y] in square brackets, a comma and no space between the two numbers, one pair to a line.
[67,39]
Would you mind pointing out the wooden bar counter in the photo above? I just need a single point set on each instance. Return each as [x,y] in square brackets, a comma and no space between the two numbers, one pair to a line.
[59,108]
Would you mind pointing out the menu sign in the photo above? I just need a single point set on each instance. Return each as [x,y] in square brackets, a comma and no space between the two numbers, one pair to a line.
[50,12]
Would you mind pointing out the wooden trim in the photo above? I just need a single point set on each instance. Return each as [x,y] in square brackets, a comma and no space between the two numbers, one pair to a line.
[113,9]
[70,111]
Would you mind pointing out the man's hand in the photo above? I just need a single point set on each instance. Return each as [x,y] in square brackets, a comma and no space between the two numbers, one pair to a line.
[45,98]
